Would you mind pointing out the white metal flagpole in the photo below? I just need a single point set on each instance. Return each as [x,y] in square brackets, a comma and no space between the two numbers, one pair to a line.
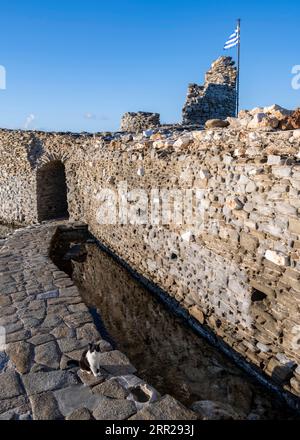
[238,68]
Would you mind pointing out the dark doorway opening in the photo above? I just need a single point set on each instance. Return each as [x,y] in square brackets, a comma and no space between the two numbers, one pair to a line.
[52,200]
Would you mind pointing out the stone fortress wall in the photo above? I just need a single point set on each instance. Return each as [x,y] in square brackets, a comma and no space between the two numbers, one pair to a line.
[135,122]
[216,99]
[236,271]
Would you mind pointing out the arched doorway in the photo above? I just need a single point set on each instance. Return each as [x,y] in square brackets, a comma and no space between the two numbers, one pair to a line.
[52,201]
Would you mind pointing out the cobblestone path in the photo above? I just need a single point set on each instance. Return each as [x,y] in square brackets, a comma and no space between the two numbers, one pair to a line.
[46,325]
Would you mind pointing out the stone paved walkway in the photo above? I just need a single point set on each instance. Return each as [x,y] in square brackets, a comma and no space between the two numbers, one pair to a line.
[47,324]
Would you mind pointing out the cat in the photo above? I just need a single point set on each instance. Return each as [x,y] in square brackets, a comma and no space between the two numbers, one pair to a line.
[90,360]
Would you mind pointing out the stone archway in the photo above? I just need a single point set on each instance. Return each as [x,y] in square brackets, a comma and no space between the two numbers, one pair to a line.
[52,201]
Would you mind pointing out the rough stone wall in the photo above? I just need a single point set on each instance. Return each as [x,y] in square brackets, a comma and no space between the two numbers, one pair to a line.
[135,122]
[237,268]
[17,180]
[216,99]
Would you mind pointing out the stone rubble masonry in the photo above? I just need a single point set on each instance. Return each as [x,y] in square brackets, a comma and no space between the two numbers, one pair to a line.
[35,379]
[216,99]
[239,273]
[135,122]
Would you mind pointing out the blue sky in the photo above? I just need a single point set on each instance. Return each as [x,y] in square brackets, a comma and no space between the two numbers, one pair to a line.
[78,65]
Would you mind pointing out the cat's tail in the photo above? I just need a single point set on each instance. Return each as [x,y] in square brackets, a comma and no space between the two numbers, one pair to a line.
[72,363]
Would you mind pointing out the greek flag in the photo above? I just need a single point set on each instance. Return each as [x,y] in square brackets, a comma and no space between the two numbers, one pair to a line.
[233,40]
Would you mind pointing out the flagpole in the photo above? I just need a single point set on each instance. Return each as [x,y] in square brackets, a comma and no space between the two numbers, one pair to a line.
[238,69]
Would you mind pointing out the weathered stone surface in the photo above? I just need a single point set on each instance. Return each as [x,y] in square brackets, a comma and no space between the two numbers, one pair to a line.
[274,160]
[77,319]
[114,409]
[21,335]
[137,122]
[10,385]
[104,346]
[17,413]
[44,407]
[9,415]
[129,381]
[277,111]
[12,407]
[14,327]
[88,332]
[63,331]
[48,295]
[295,386]
[5,301]
[277,258]
[166,408]
[280,372]
[263,121]
[216,123]
[4,359]
[27,416]
[209,410]
[75,355]
[51,322]
[90,379]
[239,395]
[111,388]
[7,311]
[48,354]
[21,354]
[142,395]
[68,345]
[116,363]
[80,414]
[75,397]
[40,339]
[197,314]
[249,242]
[294,226]
[47,381]
[291,122]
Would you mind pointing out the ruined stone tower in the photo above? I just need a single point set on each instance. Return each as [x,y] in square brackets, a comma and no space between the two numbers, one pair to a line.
[216,99]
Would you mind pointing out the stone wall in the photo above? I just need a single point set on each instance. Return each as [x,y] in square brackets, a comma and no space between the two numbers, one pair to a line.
[135,122]
[216,99]
[235,266]
[17,179]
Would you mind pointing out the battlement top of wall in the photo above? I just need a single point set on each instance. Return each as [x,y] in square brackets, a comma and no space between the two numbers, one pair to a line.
[141,113]
[255,134]
[222,71]
[134,122]
[222,62]
[238,145]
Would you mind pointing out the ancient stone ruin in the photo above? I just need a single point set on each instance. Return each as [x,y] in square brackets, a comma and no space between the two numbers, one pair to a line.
[208,218]
[216,99]
[135,122]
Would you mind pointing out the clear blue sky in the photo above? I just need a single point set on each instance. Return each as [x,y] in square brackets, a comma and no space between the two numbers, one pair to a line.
[80,64]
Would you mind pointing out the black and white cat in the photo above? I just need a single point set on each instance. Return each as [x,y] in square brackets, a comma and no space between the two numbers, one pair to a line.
[90,360]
